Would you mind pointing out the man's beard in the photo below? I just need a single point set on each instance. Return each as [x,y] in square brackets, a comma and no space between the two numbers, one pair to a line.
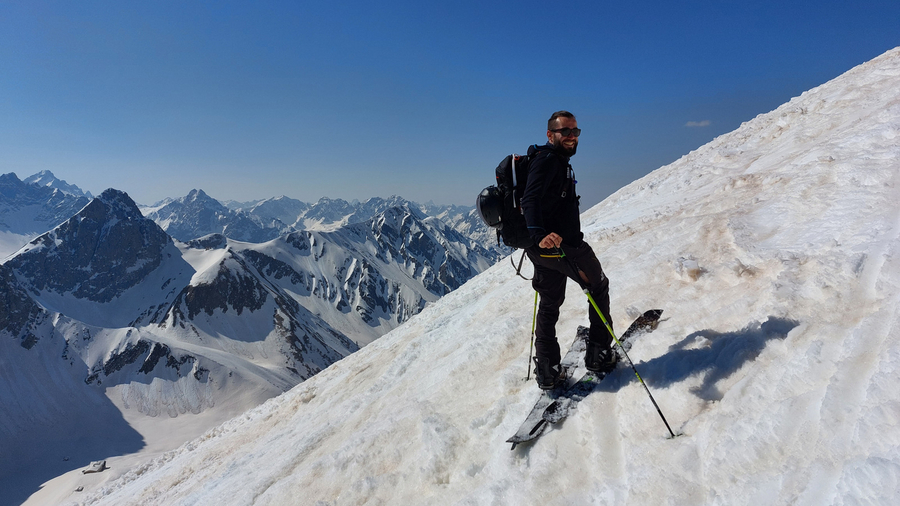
[568,151]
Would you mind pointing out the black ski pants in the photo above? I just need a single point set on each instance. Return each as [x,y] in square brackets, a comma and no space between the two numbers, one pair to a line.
[551,270]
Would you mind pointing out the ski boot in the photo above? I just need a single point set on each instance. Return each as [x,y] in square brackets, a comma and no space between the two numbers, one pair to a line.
[599,359]
[547,376]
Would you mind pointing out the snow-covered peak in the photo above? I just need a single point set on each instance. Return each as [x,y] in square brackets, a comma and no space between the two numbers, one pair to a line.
[120,205]
[105,249]
[773,251]
[47,179]
[200,196]
[28,210]
[283,209]
[197,214]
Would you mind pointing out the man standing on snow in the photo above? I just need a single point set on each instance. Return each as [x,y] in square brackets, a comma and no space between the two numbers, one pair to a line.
[551,212]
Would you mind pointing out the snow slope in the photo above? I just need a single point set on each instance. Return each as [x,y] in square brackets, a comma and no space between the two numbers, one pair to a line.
[774,252]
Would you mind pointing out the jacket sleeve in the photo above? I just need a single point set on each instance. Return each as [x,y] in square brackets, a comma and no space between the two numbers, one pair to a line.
[539,179]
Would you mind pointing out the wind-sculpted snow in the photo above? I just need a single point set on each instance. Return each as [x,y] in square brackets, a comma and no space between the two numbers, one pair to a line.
[774,251]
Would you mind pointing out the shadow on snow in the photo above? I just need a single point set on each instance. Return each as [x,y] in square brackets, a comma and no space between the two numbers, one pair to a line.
[715,355]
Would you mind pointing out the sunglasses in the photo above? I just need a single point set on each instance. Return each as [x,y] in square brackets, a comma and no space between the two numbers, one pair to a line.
[565,132]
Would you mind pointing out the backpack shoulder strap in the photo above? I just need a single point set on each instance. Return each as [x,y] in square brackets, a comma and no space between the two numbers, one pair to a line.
[515,179]
[518,268]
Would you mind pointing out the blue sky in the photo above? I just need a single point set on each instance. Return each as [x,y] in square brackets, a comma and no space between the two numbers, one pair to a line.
[248,100]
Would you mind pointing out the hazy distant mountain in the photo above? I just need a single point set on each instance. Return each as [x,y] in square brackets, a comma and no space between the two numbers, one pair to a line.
[466,221]
[238,205]
[275,210]
[46,179]
[28,210]
[198,214]
[328,214]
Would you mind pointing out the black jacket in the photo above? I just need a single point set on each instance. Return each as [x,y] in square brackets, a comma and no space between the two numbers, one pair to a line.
[549,202]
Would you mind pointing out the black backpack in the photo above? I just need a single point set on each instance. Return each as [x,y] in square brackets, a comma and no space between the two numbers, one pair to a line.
[500,206]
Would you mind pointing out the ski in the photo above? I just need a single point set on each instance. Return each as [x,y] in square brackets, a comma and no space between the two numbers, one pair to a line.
[554,405]
[534,422]
[564,403]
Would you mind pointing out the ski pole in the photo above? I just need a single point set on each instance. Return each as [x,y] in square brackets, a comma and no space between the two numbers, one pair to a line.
[625,354]
[533,324]
[587,292]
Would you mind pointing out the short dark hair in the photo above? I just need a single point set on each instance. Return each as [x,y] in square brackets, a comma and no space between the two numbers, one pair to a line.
[558,114]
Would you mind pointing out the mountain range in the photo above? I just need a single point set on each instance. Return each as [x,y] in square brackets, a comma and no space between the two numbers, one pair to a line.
[110,311]
[198,214]
[28,208]
[47,179]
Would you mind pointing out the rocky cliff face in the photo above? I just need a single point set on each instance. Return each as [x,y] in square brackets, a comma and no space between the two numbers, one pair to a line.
[105,249]
[19,314]
[367,278]
[232,298]
[431,252]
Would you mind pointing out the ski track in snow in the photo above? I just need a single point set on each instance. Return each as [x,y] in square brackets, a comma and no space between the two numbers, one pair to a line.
[773,251]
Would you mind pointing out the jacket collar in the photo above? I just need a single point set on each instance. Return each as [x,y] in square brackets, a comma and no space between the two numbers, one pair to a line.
[550,148]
